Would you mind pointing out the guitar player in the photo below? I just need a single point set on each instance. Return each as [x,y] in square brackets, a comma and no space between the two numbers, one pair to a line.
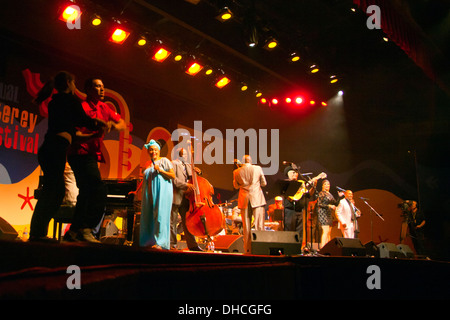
[293,209]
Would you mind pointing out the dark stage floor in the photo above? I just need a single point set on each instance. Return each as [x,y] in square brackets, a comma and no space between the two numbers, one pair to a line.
[41,271]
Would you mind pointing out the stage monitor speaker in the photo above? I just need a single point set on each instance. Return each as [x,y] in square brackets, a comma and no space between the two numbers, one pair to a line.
[372,250]
[344,247]
[389,250]
[229,243]
[276,243]
[7,232]
[406,250]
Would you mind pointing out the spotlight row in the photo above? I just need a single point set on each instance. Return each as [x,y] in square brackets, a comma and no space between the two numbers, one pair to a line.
[291,101]
[296,101]
[160,51]
[157,50]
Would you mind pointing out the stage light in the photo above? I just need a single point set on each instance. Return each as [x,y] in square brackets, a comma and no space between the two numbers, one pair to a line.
[193,67]
[324,103]
[142,41]
[386,39]
[178,57]
[161,54]
[224,14]
[288,100]
[271,44]
[263,100]
[70,14]
[96,20]
[119,35]
[294,57]
[298,100]
[258,93]
[274,101]
[312,102]
[252,36]
[340,93]
[209,71]
[334,79]
[244,87]
[222,82]
[314,69]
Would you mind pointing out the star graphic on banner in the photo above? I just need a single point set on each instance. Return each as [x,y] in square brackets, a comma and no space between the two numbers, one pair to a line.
[26,199]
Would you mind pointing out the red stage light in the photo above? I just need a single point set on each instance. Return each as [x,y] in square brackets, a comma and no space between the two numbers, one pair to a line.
[119,35]
[298,100]
[70,14]
[263,100]
[274,101]
[161,54]
[312,102]
[324,104]
[222,82]
[288,100]
[194,68]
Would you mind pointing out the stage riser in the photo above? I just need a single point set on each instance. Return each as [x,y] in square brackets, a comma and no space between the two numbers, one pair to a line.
[34,271]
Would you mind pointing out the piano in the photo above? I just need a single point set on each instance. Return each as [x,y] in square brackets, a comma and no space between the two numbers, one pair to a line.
[118,197]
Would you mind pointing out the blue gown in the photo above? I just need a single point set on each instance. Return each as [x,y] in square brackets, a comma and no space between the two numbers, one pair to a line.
[157,195]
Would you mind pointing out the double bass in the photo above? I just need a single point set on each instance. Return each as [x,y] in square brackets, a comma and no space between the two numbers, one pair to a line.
[204,218]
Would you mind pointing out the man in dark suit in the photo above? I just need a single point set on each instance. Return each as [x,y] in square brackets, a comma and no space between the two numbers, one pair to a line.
[180,204]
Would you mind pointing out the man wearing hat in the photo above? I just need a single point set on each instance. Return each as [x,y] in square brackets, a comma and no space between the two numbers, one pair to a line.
[293,217]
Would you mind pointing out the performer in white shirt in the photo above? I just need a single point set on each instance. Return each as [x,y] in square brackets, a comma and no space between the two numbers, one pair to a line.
[347,213]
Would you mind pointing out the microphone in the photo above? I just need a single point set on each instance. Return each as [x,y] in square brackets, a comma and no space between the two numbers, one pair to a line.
[362,198]
[340,189]
[154,165]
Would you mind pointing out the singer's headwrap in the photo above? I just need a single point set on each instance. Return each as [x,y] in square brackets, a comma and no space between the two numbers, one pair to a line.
[152,143]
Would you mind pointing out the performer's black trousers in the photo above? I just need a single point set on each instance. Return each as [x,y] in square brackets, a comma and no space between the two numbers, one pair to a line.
[91,200]
[52,159]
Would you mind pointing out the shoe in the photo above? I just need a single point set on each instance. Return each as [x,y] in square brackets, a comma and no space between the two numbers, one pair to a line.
[70,236]
[196,249]
[85,235]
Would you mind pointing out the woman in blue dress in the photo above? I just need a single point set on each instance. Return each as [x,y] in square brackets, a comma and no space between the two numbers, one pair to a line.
[157,195]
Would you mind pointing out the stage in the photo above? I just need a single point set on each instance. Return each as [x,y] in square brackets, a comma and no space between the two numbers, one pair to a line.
[36,271]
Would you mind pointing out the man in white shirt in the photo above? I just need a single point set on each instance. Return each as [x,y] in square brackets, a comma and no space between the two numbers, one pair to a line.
[347,213]
[249,179]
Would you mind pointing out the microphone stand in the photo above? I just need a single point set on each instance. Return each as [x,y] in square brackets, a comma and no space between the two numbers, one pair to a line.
[371,220]
[305,208]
